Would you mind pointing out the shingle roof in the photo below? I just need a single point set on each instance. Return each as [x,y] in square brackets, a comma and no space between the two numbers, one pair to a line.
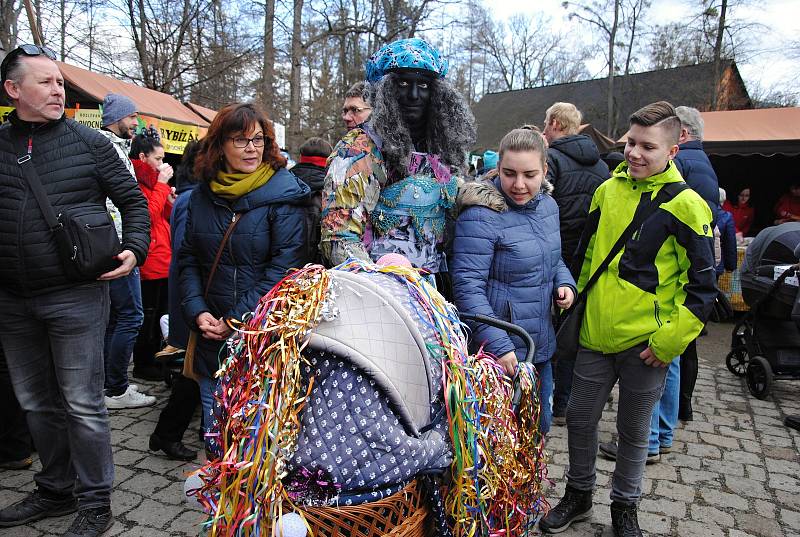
[498,113]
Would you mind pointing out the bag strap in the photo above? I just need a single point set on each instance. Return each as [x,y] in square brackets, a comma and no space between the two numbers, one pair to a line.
[643,212]
[225,237]
[55,227]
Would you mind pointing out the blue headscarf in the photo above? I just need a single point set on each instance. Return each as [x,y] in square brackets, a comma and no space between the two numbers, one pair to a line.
[413,53]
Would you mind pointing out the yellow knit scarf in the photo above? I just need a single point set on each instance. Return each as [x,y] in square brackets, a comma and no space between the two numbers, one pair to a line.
[235,185]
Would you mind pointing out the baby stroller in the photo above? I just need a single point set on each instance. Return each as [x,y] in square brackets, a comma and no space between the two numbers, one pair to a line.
[363,437]
[765,343]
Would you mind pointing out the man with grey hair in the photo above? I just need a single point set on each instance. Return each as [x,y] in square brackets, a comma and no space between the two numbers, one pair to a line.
[698,173]
[54,321]
[692,161]
[355,110]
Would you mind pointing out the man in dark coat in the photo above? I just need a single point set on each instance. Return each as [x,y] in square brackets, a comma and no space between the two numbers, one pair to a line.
[54,324]
[698,173]
[575,170]
[693,162]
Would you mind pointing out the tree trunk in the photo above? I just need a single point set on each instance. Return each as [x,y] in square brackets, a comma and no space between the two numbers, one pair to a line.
[611,127]
[268,67]
[294,79]
[718,56]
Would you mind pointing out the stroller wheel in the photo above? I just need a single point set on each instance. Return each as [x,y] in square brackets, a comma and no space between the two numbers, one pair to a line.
[759,377]
[736,361]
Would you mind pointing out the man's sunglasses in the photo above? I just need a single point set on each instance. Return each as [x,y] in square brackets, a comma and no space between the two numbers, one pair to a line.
[27,50]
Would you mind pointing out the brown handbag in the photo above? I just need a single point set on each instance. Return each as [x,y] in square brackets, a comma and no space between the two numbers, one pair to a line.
[191,346]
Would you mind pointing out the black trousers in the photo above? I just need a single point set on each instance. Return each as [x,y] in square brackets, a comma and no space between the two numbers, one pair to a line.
[689,368]
[177,415]
[154,303]
[15,440]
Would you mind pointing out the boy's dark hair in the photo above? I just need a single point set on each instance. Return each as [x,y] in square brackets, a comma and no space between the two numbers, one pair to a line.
[316,147]
[661,114]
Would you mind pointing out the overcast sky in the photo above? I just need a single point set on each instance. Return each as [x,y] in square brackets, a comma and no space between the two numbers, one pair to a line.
[768,66]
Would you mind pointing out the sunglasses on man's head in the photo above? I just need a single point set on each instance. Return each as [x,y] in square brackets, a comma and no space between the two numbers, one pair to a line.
[27,50]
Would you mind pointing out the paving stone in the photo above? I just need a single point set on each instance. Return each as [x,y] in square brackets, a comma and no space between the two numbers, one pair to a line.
[783,466]
[765,508]
[676,509]
[145,483]
[692,477]
[746,487]
[756,472]
[724,467]
[690,528]
[188,523]
[154,514]
[744,457]
[723,499]
[719,440]
[776,441]
[791,519]
[759,525]
[786,454]
[783,482]
[706,513]
[704,451]
[652,524]
[675,491]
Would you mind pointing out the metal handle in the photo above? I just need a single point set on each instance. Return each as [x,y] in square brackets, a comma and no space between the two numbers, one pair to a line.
[514,329]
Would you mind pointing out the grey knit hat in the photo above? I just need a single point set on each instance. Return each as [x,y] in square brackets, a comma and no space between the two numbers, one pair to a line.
[116,107]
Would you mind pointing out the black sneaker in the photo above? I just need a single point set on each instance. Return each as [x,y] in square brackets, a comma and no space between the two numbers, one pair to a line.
[91,522]
[608,450]
[574,506]
[37,506]
[624,520]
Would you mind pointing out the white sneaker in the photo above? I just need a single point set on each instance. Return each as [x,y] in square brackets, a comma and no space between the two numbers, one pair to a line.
[129,399]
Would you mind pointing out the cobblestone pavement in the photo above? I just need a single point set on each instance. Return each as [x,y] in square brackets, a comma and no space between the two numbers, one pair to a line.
[734,471]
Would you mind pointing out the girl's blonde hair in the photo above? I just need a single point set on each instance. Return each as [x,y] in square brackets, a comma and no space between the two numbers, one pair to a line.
[523,140]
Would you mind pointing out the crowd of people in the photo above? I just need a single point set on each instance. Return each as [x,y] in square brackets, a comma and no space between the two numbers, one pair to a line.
[548,226]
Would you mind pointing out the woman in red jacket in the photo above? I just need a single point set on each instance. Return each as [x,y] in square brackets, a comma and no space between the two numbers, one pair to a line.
[153,175]
[743,213]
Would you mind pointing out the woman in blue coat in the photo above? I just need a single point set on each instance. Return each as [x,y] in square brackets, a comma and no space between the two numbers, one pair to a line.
[507,257]
[242,176]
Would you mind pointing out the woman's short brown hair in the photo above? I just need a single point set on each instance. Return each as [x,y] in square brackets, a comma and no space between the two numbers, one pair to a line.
[234,118]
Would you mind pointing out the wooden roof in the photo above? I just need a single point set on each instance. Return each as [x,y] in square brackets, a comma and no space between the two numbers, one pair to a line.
[498,113]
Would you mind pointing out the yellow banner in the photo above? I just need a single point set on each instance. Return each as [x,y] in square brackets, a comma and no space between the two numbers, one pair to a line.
[174,136]
[4,111]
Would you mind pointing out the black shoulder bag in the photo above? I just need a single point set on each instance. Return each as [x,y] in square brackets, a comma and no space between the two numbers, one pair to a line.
[85,235]
[570,320]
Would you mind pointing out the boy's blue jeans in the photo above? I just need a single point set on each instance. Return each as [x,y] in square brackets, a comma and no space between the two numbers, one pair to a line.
[665,413]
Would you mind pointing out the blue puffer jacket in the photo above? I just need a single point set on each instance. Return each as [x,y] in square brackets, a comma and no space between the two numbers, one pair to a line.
[268,240]
[698,173]
[507,264]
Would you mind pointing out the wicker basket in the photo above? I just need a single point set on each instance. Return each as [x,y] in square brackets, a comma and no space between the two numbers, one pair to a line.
[402,514]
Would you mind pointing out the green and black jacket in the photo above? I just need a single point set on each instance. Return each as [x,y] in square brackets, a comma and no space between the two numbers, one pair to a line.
[661,287]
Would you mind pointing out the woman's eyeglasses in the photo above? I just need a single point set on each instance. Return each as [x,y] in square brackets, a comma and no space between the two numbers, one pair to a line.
[354,110]
[242,141]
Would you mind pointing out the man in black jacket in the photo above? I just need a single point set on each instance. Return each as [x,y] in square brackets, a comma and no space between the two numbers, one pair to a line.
[54,326]
[575,170]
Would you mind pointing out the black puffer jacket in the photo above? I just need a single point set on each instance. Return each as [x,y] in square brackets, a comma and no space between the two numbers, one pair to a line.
[575,170]
[76,165]
[313,176]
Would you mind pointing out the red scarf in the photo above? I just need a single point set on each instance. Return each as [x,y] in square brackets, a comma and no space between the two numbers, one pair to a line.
[145,174]
[316,161]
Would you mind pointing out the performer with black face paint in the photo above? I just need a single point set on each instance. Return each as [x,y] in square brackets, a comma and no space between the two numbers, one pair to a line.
[392,183]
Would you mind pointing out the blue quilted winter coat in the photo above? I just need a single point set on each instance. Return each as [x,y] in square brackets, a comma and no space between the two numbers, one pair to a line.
[269,239]
[507,264]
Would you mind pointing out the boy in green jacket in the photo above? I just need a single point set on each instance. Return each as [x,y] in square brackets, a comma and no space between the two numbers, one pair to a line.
[644,309]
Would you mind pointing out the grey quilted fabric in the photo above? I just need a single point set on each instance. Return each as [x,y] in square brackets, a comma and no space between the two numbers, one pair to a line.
[351,428]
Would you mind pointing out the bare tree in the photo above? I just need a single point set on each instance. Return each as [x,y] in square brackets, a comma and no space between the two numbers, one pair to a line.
[595,13]
[10,11]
